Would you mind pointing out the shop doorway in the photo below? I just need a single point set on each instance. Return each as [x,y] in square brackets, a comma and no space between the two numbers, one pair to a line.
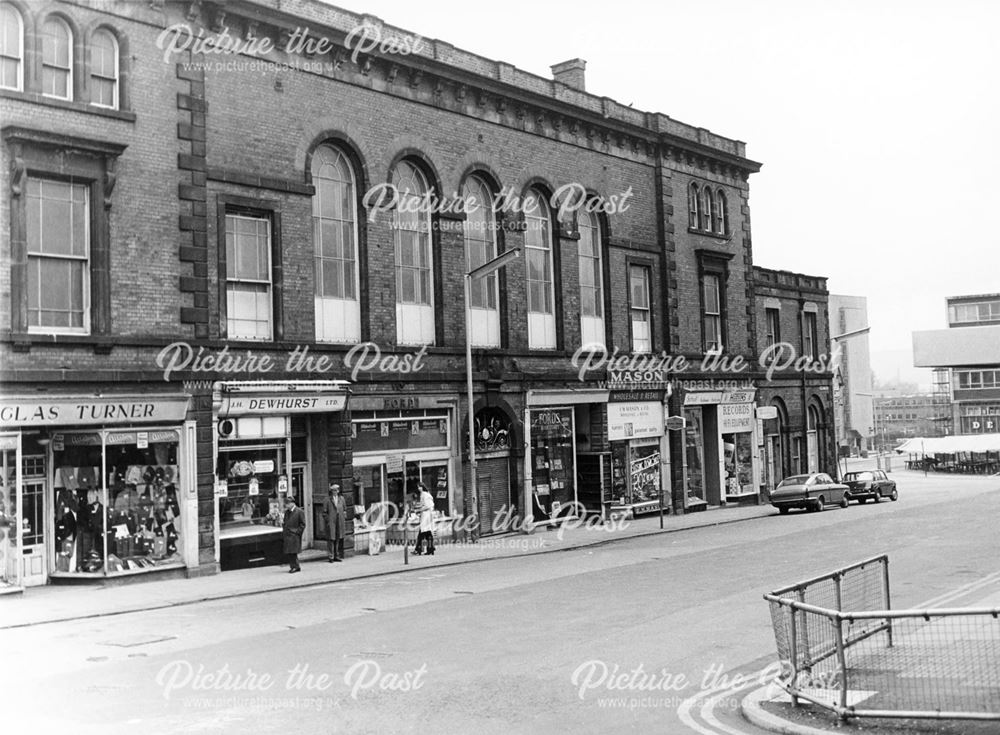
[495,503]
[302,490]
[34,569]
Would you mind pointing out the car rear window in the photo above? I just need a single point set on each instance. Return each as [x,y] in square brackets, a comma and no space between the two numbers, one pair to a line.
[794,480]
[859,476]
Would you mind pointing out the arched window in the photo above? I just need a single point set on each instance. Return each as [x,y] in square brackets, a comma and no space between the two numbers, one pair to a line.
[335,247]
[540,269]
[57,59]
[721,215]
[705,213]
[11,48]
[693,206]
[591,280]
[414,264]
[104,69]
[480,248]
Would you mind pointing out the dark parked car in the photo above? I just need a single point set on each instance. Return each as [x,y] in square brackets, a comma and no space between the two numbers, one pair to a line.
[872,484]
[814,492]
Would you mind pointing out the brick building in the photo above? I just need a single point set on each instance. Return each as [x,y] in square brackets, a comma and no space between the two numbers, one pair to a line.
[799,436]
[244,317]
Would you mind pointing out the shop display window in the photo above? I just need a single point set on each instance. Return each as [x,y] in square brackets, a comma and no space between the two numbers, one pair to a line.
[644,471]
[695,454]
[738,452]
[553,453]
[253,487]
[116,501]
[9,541]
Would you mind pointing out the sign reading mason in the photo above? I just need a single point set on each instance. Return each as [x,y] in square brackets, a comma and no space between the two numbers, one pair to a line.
[91,410]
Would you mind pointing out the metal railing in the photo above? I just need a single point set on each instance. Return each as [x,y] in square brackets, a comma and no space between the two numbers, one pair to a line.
[844,649]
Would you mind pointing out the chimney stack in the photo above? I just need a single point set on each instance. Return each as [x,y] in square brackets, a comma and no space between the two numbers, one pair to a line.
[571,73]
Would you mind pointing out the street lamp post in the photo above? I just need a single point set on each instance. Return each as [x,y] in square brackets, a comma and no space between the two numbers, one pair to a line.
[471,498]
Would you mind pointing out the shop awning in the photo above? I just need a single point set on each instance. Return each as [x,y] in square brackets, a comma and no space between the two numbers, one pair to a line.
[951,444]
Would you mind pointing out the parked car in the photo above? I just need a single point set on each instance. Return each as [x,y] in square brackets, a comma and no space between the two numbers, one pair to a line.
[872,484]
[813,492]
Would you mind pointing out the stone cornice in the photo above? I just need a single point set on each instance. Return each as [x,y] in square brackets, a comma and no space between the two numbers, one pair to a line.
[444,76]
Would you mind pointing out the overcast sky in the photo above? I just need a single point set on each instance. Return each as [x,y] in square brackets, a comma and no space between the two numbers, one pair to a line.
[876,122]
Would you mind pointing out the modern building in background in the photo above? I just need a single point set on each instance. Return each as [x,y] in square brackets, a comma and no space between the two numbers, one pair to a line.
[966,361]
[853,386]
[208,313]
[910,415]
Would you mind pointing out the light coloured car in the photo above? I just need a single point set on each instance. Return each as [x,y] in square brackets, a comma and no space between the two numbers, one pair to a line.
[817,491]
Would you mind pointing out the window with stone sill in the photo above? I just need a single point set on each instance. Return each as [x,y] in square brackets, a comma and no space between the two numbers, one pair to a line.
[104,70]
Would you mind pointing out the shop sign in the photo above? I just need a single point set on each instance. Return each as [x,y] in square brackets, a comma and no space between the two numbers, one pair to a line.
[634,396]
[142,440]
[552,422]
[634,420]
[735,418]
[765,413]
[394,464]
[89,411]
[239,404]
[394,403]
[282,484]
[263,466]
[222,488]
[703,398]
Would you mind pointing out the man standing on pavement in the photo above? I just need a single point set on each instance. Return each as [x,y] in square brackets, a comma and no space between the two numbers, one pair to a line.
[426,509]
[334,511]
[292,528]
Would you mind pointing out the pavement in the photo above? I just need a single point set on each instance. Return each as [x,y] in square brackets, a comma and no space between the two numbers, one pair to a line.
[940,663]
[58,603]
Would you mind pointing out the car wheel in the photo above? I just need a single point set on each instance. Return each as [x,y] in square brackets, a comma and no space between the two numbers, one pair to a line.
[894,496]
[843,502]
[820,504]
[783,511]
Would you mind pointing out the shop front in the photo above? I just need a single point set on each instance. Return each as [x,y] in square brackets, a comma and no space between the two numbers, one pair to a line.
[721,448]
[97,487]
[566,437]
[399,444]
[638,455]
[264,440]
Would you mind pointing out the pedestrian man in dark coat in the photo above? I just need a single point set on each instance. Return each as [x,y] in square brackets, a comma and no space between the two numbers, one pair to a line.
[292,529]
[335,513]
